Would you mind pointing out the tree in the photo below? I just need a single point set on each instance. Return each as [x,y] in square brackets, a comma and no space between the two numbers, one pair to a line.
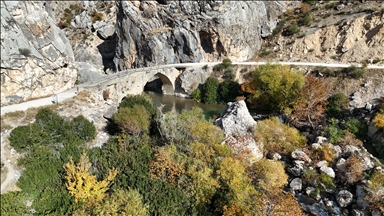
[143,99]
[278,137]
[133,120]
[312,101]
[210,90]
[82,185]
[228,91]
[273,87]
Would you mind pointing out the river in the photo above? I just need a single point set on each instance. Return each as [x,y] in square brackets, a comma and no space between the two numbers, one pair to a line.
[179,104]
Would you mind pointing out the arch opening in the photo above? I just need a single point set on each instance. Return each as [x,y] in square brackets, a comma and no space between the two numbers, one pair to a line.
[160,83]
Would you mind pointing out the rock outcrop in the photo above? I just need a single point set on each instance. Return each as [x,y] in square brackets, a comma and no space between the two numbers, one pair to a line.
[36,57]
[354,40]
[237,124]
[151,33]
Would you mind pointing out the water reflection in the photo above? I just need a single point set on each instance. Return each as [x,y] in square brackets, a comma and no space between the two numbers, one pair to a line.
[179,104]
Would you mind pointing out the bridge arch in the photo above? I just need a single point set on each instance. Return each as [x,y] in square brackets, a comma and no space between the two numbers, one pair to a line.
[167,84]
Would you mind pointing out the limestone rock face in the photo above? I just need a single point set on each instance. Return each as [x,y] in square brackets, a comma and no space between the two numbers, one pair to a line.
[36,57]
[151,33]
[237,124]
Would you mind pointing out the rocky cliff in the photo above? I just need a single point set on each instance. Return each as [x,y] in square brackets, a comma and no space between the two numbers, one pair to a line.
[36,56]
[163,32]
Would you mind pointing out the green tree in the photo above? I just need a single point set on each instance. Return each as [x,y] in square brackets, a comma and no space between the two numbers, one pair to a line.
[143,99]
[210,90]
[273,87]
[228,91]
[196,94]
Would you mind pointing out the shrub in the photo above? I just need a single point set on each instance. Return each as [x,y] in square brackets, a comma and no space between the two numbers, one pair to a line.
[291,30]
[335,134]
[25,51]
[23,137]
[218,67]
[378,121]
[337,103]
[326,152]
[210,90]
[229,74]
[354,170]
[268,174]
[375,199]
[358,128]
[278,137]
[273,87]
[83,128]
[96,16]
[305,20]
[227,62]
[309,177]
[196,94]
[350,139]
[133,120]
[354,72]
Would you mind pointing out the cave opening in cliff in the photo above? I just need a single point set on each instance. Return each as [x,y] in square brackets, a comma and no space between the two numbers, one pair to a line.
[159,83]
[206,42]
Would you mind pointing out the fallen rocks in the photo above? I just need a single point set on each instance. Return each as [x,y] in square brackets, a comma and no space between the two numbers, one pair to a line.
[296,184]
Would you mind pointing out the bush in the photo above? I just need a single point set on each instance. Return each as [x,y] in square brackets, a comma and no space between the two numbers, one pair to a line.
[378,121]
[305,20]
[358,128]
[268,174]
[96,16]
[291,30]
[23,137]
[227,63]
[196,94]
[354,170]
[337,104]
[326,152]
[354,72]
[83,128]
[375,199]
[335,134]
[218,67]
[210,90]
[133,120]
[229,73]
[278,137]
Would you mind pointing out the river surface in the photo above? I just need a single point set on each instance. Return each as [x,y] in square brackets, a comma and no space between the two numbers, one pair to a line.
[179,104]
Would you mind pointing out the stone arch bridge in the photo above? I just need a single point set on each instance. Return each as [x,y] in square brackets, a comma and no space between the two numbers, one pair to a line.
[133,81]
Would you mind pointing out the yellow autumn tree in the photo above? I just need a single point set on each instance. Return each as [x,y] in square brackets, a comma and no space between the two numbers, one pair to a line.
[378,121]
[82,185]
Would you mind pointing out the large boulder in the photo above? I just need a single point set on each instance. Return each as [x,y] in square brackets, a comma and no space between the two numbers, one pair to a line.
[36,56]
[151,33]
[237,124]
